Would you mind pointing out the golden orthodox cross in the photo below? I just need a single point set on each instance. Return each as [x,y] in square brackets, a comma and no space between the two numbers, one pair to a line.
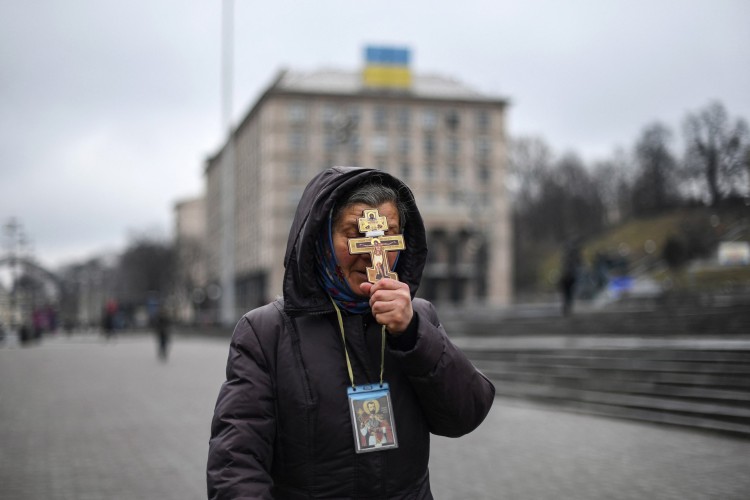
[376,244]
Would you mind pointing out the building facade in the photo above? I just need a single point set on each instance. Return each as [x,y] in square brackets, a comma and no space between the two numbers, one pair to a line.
[445,140]
[191,298]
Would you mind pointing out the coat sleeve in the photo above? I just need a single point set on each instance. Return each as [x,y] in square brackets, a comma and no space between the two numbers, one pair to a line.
[243,428]
[454,396]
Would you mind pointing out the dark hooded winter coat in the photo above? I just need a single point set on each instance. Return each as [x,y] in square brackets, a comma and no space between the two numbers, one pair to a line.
[282,428]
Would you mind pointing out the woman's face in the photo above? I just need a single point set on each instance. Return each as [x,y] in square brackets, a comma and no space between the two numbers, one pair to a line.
[345,227]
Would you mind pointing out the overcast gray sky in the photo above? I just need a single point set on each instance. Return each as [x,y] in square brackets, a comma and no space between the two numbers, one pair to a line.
[108,109]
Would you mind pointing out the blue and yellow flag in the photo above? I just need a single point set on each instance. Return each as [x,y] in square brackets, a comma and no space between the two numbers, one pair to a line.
[387,67]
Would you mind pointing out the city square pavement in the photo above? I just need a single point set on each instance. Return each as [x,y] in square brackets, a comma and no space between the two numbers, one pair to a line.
[84,418]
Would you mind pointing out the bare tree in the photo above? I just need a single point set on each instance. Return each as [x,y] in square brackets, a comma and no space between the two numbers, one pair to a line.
[614,178]
[146,270]
[580,211]
[554,201]
[715,148]
[654,189]
[530,161]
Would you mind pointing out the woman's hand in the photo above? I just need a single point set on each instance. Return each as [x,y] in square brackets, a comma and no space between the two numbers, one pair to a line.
[390,302]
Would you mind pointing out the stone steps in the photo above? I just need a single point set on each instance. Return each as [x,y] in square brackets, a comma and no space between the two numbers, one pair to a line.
[693,386]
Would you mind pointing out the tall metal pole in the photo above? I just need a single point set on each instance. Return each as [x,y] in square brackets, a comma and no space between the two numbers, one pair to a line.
[228,167]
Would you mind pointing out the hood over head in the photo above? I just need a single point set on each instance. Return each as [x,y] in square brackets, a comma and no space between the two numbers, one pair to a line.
[302,293]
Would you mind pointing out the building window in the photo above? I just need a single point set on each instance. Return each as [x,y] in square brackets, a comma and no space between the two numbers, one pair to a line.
[380,117]
[453,172]
[404,145]
[297,112]
[405,171]
[330,140]
[330,114]
[483,120]
[297,141]
[483,148]
[404,118]
[454,147]
[296,170]
[483,172]
[354,142]
[429,119]
[452,120]
[429,172]
[429,144]
[354,114]
[380,144]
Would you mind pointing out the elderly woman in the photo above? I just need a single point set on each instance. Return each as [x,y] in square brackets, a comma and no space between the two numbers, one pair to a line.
[333,391]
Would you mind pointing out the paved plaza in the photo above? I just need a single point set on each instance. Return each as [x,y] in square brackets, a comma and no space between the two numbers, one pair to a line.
[82,418]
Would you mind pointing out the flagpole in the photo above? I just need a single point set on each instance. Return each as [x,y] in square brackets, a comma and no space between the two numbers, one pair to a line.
[227,262]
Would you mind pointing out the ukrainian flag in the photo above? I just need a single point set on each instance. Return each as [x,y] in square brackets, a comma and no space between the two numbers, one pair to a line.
[387,67]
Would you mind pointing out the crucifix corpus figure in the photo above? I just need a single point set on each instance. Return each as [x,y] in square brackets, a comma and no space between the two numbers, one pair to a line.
[376,244]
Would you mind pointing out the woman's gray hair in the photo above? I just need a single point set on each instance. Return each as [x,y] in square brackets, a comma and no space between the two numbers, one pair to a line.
[374,194]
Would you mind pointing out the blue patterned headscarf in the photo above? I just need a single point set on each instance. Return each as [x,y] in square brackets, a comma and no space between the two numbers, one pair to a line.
[331,277]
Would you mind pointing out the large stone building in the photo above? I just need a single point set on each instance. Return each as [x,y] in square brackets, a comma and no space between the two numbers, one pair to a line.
[444,139]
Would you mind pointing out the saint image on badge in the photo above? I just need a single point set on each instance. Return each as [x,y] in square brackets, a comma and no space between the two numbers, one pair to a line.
[372,420]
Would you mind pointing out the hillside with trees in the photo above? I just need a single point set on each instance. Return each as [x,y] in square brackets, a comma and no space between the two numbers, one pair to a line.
[650,208]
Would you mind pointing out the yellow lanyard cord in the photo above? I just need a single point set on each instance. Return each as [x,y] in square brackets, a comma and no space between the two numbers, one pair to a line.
[346,353]
[382,353]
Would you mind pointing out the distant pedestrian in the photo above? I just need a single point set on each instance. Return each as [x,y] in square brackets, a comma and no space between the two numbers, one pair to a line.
[24,334]
[571,261]
[108,321]
[161,328]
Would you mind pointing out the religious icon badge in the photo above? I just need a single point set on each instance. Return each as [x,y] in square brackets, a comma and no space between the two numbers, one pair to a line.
[376,244]
[372,418]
